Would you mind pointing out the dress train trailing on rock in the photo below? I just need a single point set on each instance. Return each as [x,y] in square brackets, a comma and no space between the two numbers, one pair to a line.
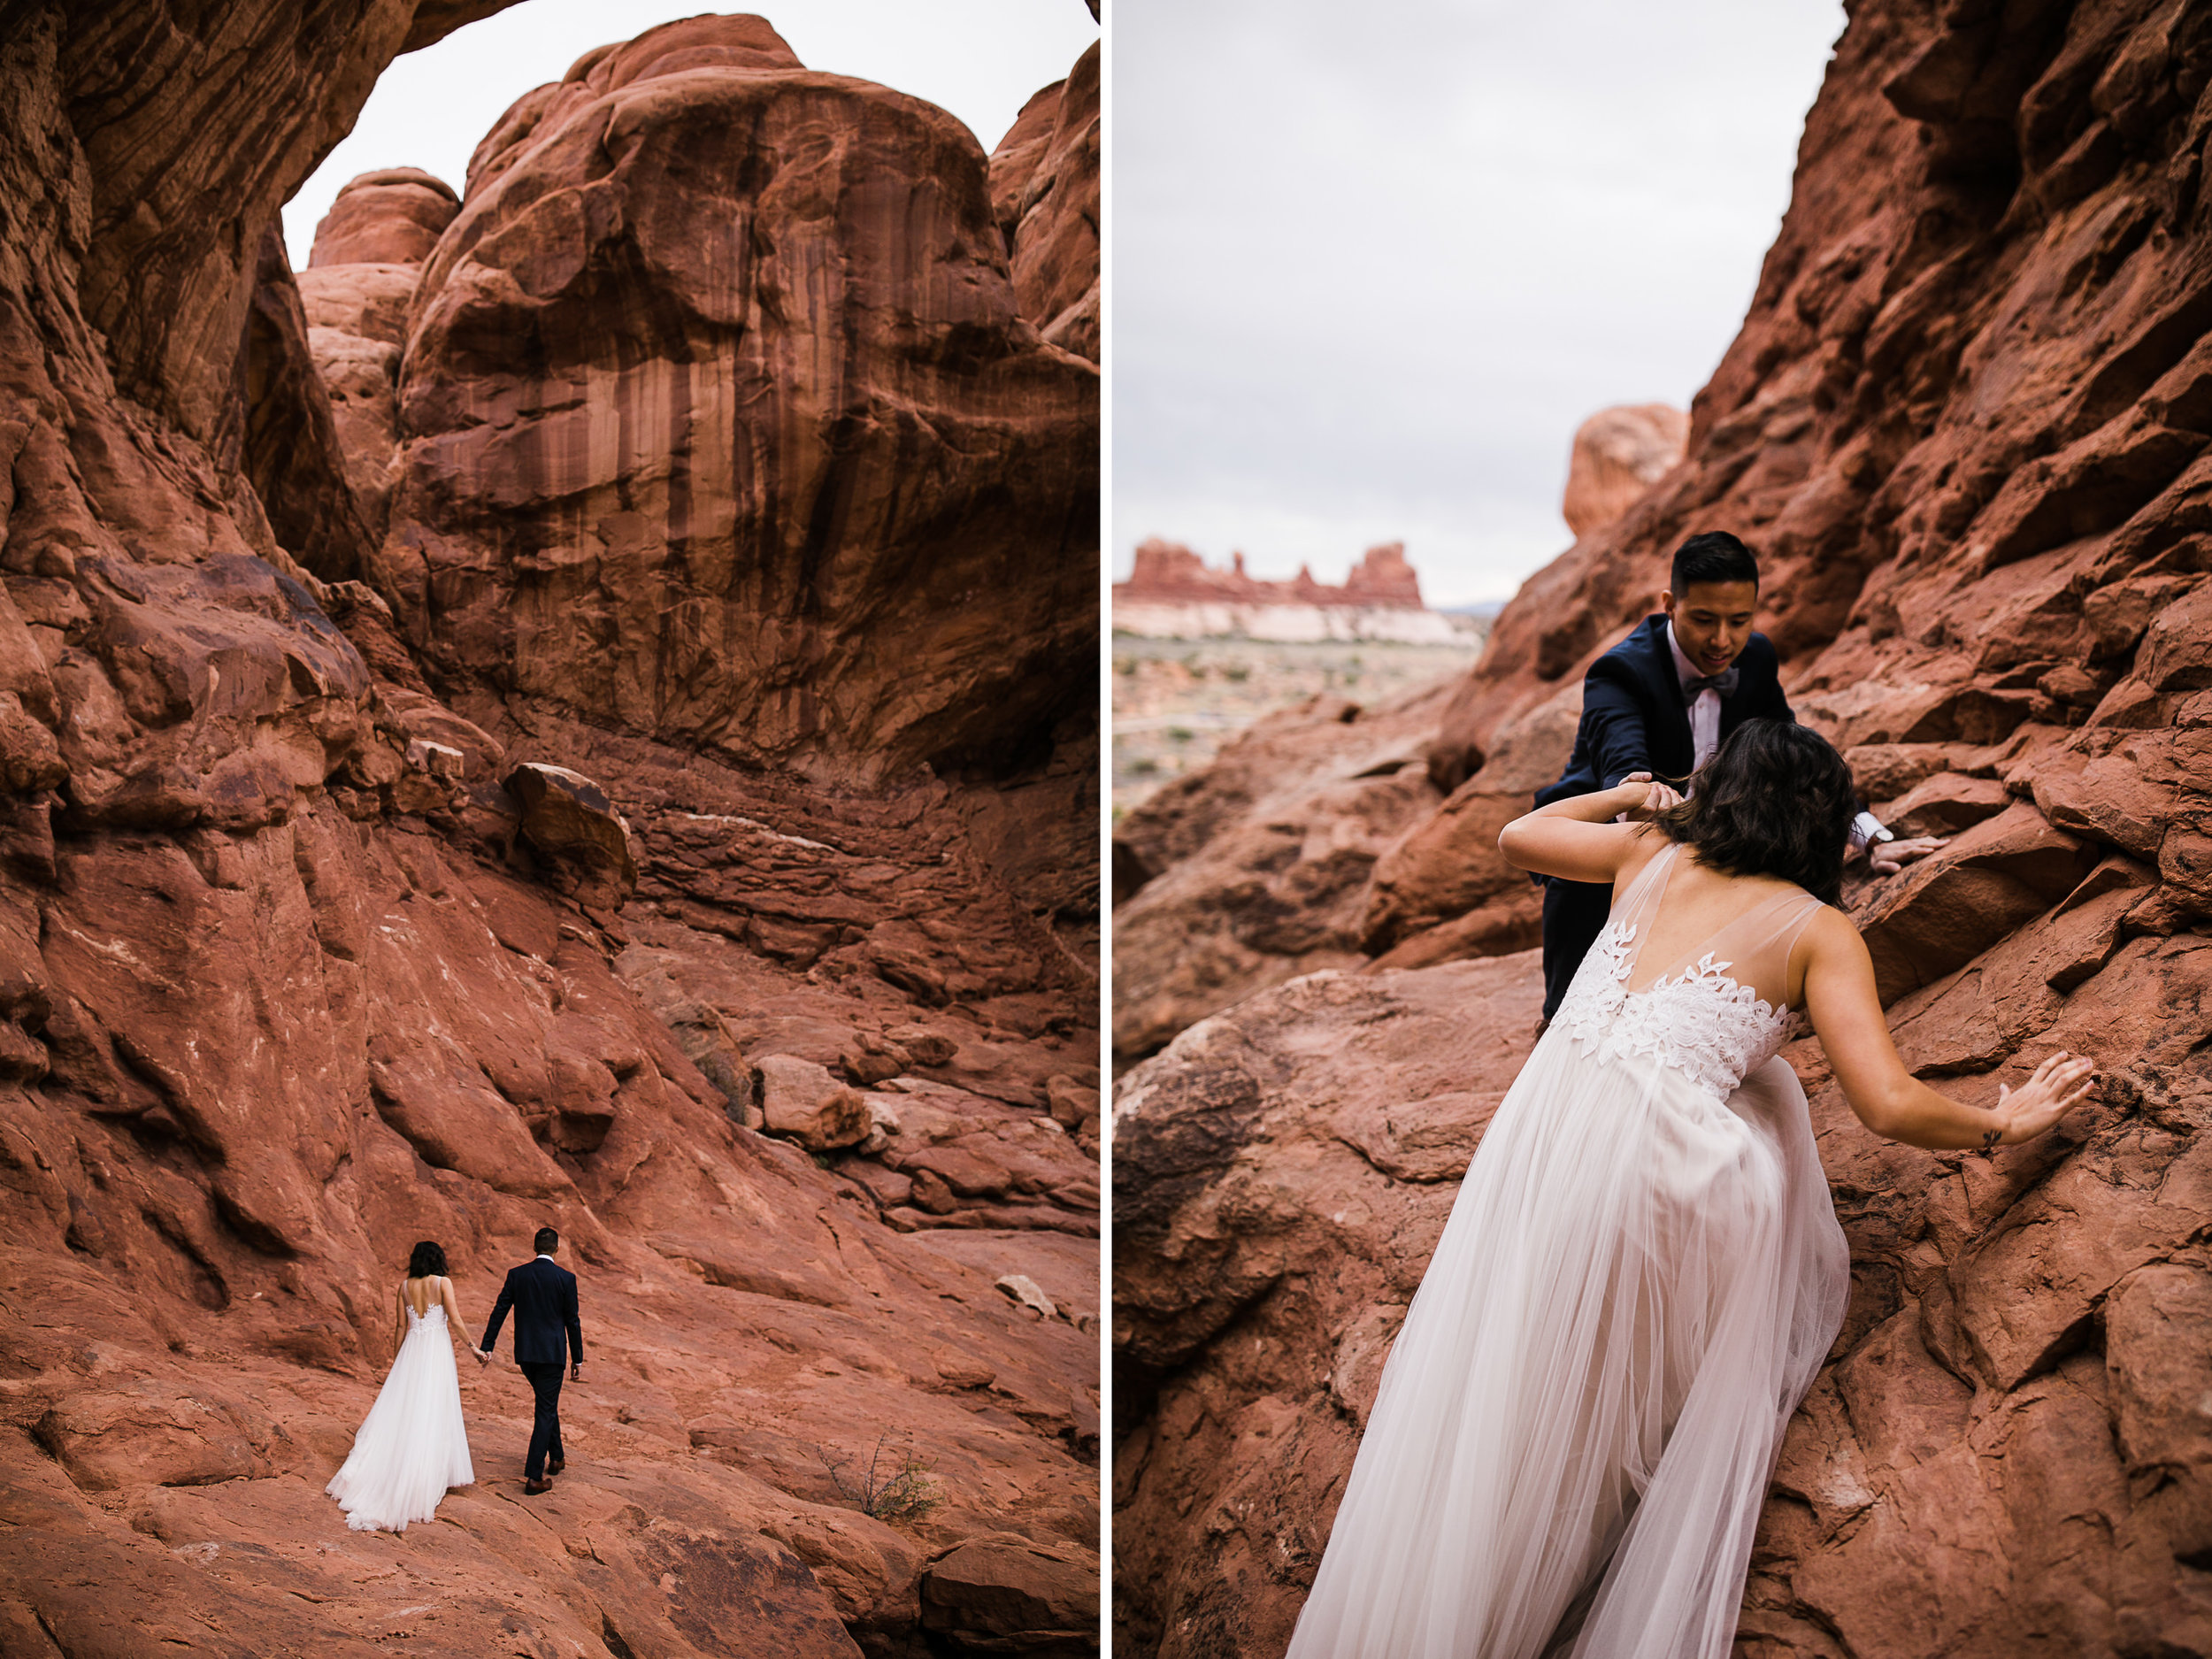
[1639,1278]
[412,1445]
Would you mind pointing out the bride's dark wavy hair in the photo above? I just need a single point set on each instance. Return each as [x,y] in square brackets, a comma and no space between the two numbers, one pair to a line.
[1775,800]
[427,1262]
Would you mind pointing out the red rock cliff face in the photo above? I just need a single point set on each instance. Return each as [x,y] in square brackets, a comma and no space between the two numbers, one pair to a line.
[1045,194]
[1965,424]
[744,443]
[320,934]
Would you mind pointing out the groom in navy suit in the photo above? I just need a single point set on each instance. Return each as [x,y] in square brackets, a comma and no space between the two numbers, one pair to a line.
[543,1293]
[1659,704]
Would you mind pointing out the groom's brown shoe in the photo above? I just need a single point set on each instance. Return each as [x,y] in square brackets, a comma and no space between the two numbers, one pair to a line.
[554,1465]
[534,1487]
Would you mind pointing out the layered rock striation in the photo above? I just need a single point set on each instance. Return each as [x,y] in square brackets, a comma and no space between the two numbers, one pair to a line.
[1963,426]
[343,909]
[1045,194]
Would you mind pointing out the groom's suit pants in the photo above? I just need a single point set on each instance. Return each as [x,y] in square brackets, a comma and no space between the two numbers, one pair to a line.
[545,1429]
[1574,915]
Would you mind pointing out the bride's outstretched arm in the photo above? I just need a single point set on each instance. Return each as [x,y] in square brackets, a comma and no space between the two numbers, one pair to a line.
[1576,839]
[1846,1012]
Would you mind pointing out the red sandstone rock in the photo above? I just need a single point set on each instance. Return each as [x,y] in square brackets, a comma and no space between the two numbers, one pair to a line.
[1256,868]
[1619,454]
[286,436]
[800,1099]
[289,979]
[1447,866]
[1964,427]
[567,818]
[393,215]
[672,512]
[991,1592]
[1282,1173]
[357,329]
[1045,185]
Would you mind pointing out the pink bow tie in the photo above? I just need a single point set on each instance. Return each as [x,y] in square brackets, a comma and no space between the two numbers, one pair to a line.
[1724,682]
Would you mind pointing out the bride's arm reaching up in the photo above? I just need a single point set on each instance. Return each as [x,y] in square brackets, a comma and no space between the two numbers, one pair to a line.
[1576,840]
[1846,1012]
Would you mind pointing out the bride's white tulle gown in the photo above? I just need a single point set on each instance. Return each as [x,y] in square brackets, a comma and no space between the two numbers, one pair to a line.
[1640,1275]
[412,1445]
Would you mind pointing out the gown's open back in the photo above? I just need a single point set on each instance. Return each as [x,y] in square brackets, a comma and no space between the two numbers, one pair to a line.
[413,1444]
[1640,1275]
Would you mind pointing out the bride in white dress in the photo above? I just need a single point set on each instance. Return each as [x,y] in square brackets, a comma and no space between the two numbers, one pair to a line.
[412,1445]
[1643,1270]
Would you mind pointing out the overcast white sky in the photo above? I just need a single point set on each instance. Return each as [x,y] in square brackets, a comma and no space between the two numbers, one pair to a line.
[980,59]
[1372,267]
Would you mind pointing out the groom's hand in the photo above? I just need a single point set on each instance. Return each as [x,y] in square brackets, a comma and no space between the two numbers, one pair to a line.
[1649,798]
[576,1372]
[1886,858]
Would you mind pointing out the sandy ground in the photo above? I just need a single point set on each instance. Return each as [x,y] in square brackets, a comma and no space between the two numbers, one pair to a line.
[1176,702]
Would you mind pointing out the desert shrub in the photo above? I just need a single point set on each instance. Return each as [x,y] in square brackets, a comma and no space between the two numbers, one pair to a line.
[897,1489]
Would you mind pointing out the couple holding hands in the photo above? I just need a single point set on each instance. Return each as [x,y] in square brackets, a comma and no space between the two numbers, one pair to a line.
[412,1446]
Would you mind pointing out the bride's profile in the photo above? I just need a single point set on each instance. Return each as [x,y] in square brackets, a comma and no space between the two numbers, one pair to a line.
[1643,1270]
[412,1445]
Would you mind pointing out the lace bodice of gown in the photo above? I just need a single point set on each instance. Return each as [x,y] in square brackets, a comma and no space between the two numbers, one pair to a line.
[1699,1020]
[434,1316]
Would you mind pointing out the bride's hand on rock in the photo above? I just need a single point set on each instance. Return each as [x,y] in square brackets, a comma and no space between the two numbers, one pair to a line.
[1886,858]
[2056,1088]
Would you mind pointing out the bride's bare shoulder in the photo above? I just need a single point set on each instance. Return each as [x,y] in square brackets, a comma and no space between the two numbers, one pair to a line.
[1830,931]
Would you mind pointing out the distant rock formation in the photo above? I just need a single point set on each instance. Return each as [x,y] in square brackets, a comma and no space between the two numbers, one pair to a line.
[359,282]
[392,215]
[1168,572]
[1618,454]
[1172,591]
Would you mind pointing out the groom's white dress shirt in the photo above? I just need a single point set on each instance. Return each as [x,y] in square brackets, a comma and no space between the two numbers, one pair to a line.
[1705,734]
[1704,707]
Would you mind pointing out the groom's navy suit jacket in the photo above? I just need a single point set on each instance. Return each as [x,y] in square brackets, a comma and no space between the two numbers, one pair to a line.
[544,1297]
[1634,717]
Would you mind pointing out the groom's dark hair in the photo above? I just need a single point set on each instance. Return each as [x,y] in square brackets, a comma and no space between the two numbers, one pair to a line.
[546,1242]
[1713,557]
[1775,800]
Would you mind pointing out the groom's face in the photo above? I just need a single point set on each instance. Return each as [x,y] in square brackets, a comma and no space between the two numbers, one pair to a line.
[1712,621]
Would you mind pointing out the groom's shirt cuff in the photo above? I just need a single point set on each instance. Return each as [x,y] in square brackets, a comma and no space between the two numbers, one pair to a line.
[1866,829]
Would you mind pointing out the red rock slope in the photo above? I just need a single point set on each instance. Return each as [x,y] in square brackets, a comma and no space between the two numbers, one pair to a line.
[1966,424]
[343,909]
